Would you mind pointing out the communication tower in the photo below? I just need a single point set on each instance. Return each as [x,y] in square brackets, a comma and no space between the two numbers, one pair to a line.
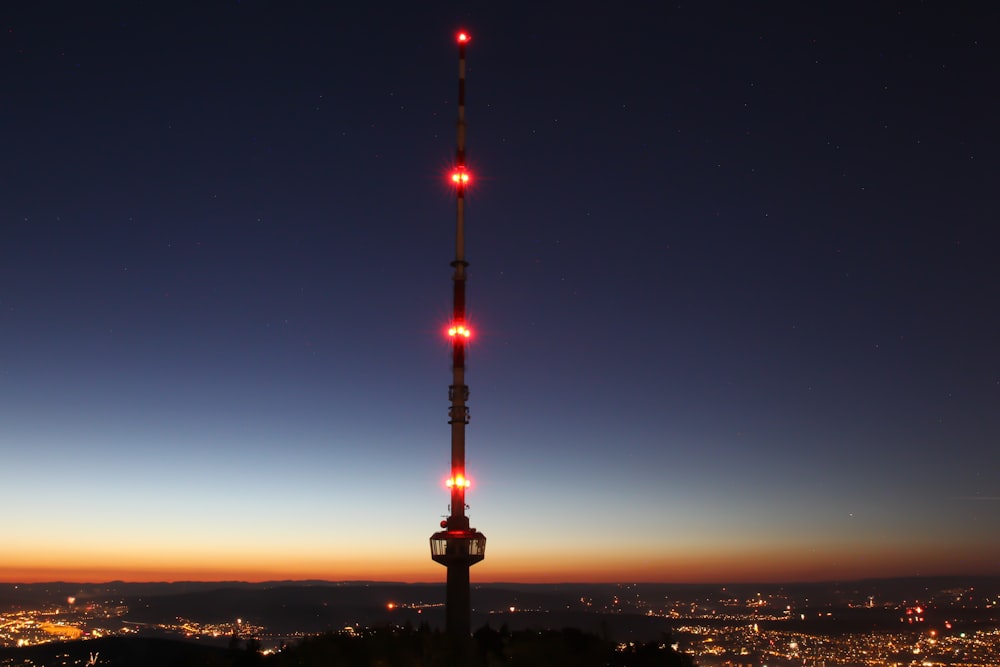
[458,547]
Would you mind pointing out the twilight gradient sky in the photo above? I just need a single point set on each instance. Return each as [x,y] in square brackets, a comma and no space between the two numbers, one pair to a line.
[734,277]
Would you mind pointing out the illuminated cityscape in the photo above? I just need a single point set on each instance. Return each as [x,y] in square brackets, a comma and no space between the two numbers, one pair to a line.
[717,626]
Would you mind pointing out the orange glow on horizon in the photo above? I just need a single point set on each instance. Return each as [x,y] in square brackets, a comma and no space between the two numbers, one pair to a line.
[404,557]
[507,563]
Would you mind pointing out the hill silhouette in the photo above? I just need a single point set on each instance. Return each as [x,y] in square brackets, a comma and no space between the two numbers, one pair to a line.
[422,646]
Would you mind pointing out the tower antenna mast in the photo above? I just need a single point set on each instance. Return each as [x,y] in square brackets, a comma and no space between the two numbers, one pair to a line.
[458,547]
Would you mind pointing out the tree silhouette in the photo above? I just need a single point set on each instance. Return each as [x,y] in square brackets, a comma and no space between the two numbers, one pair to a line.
[378,647]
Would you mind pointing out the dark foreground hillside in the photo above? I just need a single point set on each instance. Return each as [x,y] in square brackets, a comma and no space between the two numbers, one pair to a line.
[380,647]
[126,651]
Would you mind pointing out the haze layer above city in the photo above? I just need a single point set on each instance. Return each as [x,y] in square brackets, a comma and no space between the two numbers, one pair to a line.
[732,288]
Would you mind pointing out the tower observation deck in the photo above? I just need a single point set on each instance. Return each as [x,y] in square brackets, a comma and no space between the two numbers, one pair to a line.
[458,546]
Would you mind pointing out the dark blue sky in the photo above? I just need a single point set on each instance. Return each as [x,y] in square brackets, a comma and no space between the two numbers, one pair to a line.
[733,281]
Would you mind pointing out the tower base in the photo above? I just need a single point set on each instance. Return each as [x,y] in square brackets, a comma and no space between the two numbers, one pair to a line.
[458,550]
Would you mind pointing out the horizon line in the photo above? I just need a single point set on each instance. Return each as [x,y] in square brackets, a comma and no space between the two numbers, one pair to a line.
[387,582]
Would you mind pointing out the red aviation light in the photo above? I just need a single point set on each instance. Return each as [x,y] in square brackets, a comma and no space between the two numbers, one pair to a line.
[459,481]
[463,37]
[459,330]
[460,177]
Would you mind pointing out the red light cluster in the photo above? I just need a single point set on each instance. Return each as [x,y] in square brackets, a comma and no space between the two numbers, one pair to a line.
[458,480]
[914,615]
[459,330]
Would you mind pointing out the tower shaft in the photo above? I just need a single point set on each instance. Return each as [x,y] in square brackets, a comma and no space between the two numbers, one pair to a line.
[458,547]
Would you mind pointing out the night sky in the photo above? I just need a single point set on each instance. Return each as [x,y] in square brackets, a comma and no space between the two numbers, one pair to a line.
[734,283]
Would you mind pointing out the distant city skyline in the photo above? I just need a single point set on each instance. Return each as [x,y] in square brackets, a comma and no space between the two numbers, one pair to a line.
[944,620]
[732,283]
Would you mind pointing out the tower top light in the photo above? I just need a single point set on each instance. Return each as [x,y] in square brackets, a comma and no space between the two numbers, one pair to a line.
[463,37]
